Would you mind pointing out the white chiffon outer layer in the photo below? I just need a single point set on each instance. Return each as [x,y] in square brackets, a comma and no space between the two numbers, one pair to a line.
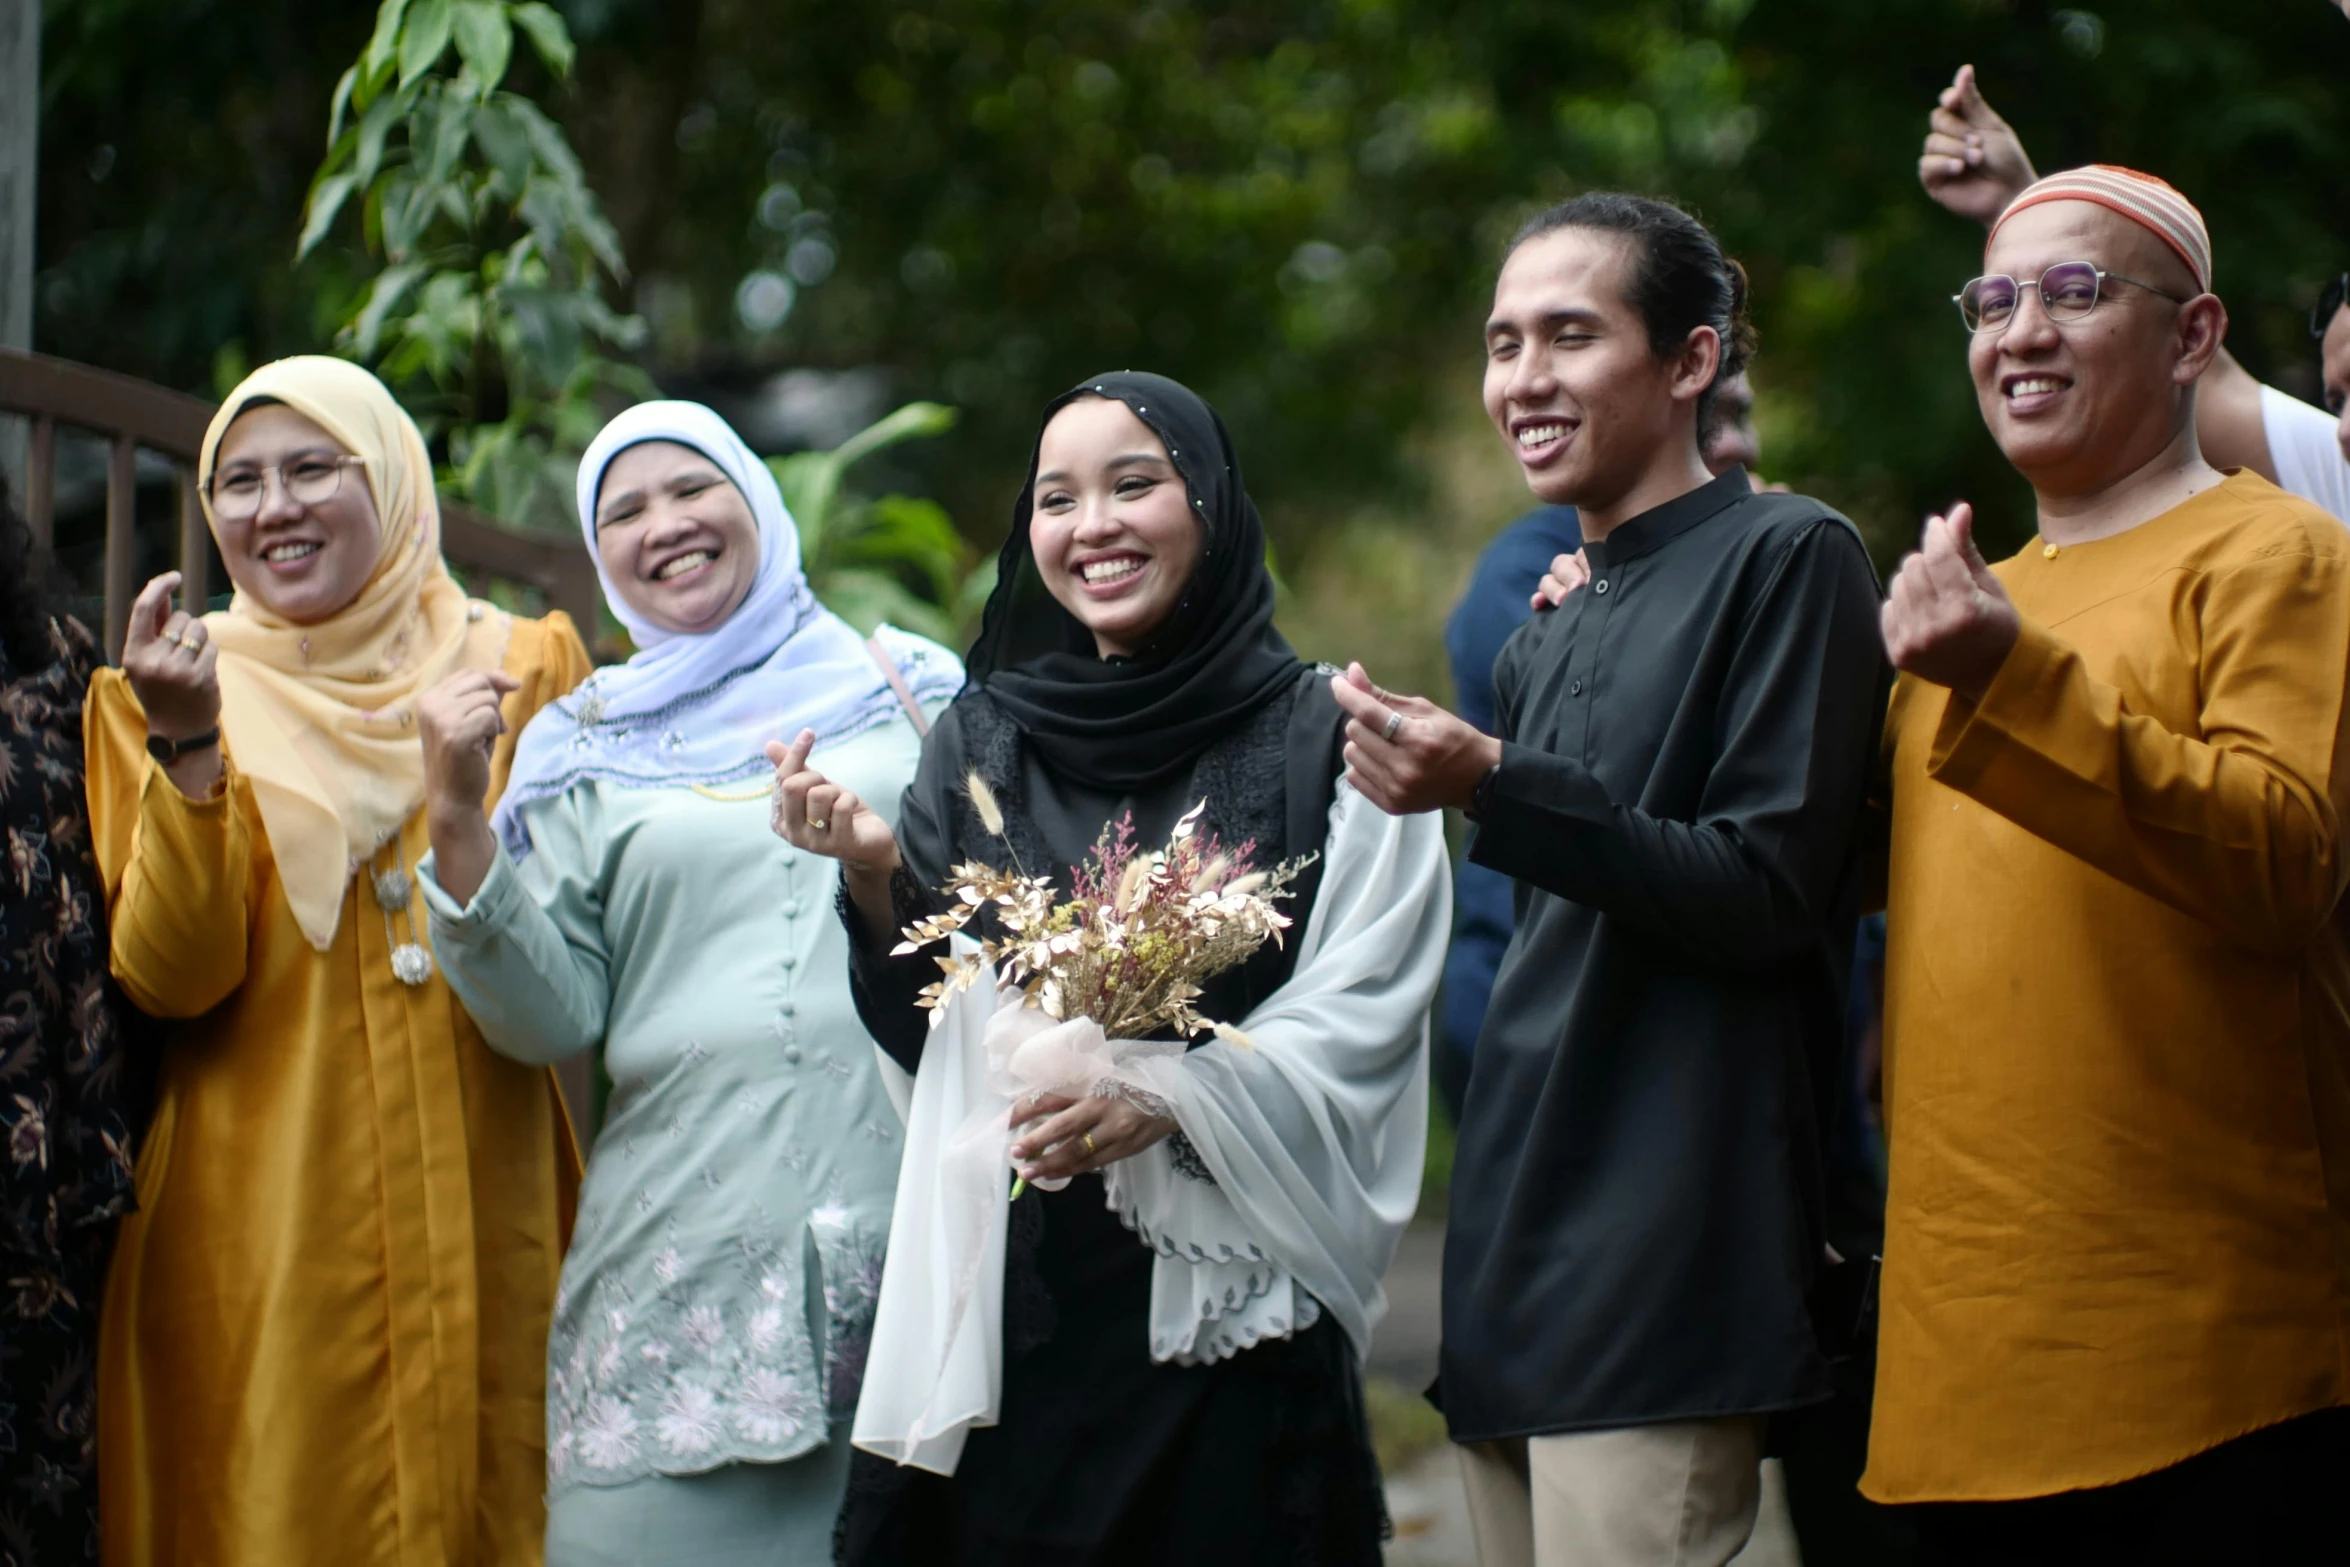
[1315,1139]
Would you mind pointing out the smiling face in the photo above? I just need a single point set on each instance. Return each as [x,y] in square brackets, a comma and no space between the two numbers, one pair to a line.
[678,541]
[303,562]
[2079,405]
[1570,379]
[1113,530]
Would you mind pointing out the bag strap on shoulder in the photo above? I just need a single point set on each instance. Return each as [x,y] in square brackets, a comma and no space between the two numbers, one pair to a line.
[897,682]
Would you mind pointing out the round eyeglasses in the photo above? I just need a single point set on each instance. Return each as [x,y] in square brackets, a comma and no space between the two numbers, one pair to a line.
[310,480]
[2069,290]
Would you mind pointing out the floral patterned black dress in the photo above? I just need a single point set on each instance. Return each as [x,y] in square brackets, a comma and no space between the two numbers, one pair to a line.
[71,1093]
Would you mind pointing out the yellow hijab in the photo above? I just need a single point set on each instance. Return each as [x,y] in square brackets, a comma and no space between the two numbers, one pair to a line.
[321,719]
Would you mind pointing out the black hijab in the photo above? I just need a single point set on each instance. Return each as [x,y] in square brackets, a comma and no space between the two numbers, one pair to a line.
[1119,724]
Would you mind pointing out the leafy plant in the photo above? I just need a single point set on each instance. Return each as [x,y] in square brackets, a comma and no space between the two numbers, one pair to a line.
[487,317]
[895,557]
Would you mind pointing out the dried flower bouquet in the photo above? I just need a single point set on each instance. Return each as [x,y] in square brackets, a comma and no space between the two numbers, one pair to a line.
[1133,945]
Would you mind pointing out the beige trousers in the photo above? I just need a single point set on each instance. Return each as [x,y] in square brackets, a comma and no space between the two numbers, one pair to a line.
[1682,1494]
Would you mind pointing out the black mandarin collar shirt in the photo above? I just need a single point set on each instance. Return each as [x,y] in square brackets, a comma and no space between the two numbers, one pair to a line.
[1637,1198]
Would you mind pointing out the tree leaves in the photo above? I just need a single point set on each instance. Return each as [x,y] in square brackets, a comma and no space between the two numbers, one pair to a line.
[547,33]
[326,202]
[494,250]
[424,34]
[485,41]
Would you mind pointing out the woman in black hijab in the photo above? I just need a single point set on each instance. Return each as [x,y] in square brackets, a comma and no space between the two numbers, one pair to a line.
[1182,1336]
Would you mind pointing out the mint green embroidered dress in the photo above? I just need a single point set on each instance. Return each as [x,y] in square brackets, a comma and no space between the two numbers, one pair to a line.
[718,1297]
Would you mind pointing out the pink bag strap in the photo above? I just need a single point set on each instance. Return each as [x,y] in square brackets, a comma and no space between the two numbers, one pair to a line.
[897,683]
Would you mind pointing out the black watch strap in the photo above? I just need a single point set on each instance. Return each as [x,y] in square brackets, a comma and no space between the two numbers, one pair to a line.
[170,751]
[1482,795]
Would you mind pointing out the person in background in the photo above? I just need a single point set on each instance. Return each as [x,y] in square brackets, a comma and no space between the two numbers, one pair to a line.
[1499,600]
[2116,1321]
[75,1075]
[717,1301]
[1974,164]
[1637,1208]
[325,1328]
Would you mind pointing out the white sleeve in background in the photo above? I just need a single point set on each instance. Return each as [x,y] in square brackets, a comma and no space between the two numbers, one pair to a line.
[2303,445]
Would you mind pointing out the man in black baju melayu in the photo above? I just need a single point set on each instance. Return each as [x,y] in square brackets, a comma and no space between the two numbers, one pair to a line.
[1677,787]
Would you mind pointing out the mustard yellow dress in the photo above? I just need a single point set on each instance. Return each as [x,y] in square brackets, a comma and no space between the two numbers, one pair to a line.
[324,1337]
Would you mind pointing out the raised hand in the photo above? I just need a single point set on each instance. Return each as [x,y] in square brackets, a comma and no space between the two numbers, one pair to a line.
[1946,618]
[1566,574]
[171,664]
[174,670]
[814,813]
[1973,163]
[1405,753]
[459,722]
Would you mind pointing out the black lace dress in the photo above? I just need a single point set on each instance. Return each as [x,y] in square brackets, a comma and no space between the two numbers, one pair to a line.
[72,1094]
[1104,1456]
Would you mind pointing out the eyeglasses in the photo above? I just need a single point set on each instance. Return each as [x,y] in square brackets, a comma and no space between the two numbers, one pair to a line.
[309,480]
[2334,297]
[2068,291]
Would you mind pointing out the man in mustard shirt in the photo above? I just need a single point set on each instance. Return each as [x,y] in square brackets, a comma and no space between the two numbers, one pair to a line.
[2115,1314]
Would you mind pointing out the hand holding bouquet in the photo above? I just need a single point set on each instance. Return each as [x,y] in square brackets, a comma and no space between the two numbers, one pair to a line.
[1126,955]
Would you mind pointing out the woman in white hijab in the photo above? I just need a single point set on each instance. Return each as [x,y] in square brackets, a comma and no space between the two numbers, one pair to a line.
[711,1324]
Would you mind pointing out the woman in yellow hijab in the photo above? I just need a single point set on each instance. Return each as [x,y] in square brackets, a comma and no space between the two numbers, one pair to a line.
[324,1332]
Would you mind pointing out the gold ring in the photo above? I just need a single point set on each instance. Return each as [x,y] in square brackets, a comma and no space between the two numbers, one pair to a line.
[1088,1141]
[819,823]
[1394,722]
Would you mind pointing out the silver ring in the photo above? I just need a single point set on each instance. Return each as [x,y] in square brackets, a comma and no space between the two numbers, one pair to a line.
[1394,722]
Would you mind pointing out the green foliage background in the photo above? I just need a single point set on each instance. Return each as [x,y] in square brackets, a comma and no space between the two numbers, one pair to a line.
[1294,206]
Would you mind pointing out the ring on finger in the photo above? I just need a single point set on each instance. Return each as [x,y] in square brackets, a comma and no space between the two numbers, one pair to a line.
[819,823]
[1394,722]
[1090,1150]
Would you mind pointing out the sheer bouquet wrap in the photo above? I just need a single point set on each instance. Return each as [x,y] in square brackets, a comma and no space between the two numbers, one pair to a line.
[1047,1002]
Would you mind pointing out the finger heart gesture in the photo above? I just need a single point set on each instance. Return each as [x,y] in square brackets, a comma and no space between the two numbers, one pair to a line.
[1946,618]
[812,812]
[171,663]
[459,722]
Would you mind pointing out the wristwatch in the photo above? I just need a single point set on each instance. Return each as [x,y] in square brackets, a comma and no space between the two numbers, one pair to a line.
[170,751]
[1482,796]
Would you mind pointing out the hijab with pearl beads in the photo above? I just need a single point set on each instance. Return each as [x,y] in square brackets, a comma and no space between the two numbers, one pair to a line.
[699,708]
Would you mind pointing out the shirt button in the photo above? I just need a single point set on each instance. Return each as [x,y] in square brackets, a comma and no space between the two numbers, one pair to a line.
[791,908]
[1600,587]
[790,960]
[1575,689]
[791,1055]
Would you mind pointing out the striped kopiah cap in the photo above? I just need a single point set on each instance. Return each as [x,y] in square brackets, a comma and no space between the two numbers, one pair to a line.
[2143,199]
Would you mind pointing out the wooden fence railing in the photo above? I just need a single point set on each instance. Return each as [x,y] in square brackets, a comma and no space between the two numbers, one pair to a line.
[128,414]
